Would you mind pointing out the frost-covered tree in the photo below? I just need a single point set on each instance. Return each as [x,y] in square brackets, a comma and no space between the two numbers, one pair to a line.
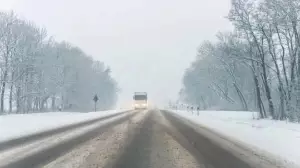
[257,66]
[38,74]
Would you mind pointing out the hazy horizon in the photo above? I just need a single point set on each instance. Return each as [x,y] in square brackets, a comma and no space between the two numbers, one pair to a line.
[147,44]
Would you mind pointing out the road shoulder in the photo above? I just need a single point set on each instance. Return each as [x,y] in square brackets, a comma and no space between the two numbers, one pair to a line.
[248,154]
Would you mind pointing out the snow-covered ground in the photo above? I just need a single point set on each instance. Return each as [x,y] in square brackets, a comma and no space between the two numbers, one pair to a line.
[20,152]
[18,125]
[278,138]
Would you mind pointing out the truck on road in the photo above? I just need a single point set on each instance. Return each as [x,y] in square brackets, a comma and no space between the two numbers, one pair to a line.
[140,100]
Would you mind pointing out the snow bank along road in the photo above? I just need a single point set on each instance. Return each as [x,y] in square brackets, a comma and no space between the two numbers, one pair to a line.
[47,131]
[264,137]
[139,139]
[21,125]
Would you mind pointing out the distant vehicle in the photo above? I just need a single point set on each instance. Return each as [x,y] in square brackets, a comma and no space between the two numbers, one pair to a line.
[140,100]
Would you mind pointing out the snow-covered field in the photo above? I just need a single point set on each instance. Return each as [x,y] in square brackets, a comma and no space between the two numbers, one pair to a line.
[18,125]
[278,138]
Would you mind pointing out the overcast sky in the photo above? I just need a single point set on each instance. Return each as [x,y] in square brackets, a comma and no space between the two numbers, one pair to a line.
[147,43]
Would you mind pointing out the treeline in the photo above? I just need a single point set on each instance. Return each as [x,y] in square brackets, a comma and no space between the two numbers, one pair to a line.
[40,74]
[255,67]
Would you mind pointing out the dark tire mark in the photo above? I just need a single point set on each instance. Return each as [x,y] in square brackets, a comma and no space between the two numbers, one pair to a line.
[212,153]
[23,140]
[173,132]
[137,150]
[43,157]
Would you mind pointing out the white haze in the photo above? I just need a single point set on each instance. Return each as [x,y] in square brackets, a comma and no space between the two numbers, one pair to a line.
[147,43]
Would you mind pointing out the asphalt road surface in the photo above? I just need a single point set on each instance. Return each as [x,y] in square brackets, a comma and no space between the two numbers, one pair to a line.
[144,139]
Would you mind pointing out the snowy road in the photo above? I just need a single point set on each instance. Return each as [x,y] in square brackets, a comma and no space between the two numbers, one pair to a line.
[143,139]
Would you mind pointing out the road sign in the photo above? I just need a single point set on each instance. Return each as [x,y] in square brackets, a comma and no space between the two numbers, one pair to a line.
[95,98]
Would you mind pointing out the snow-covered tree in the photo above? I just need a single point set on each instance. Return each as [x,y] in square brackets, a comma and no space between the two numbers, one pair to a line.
[258,65]
[38,74]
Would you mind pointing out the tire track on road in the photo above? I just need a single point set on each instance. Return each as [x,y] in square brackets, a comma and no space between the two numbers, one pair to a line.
[212,152]
[136,153]
[29,138]
[153,147]
[41,158]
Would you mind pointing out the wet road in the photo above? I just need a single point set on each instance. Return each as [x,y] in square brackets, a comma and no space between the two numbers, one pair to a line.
[145,139]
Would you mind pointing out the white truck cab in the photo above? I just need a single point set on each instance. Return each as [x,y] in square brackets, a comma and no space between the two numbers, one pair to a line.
[140,100]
